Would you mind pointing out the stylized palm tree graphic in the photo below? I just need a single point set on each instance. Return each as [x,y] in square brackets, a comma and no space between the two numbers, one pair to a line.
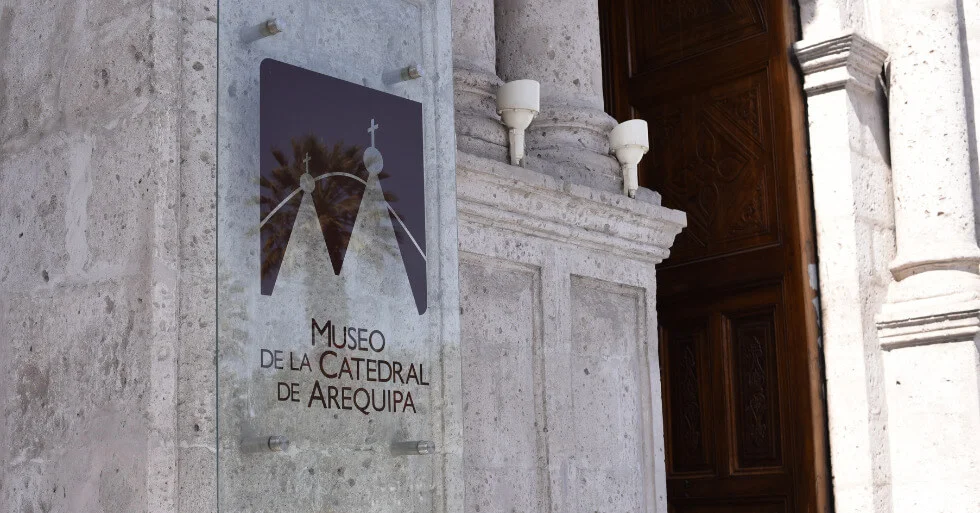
[336,180]
[299,110]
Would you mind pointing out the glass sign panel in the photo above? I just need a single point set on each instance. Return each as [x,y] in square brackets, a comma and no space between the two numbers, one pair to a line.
[336,257]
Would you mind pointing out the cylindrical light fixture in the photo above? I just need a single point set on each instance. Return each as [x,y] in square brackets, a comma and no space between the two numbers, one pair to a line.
[630,141]
[517,103]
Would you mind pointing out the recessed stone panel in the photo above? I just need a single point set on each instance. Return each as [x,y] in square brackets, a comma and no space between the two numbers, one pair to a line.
[502,402]
[609,374]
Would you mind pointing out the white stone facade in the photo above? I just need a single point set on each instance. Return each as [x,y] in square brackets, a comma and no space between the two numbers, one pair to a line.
[107,216]
[855,243]
[893,151]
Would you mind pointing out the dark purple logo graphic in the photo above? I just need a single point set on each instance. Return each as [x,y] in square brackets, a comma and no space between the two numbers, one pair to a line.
[327,139]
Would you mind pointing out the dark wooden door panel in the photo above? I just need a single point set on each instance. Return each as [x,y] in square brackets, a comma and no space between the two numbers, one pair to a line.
[716,162]
[672,30]
[759,505]
[722,378]
[742,422]
[687,384]
[752,354]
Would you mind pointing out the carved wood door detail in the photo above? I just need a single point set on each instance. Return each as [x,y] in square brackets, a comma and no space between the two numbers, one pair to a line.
[743,419]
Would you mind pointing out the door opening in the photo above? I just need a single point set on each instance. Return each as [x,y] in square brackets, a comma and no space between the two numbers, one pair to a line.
[744,421]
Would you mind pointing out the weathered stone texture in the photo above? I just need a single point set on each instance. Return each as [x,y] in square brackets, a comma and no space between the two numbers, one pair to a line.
[561,395]
[825,19]
[852,197]
[502,436]
[478,128]
[929,130]
[91,170]
[933,411]
[971,36]
[927,149]
[195,423]
[556,42]
[932,315]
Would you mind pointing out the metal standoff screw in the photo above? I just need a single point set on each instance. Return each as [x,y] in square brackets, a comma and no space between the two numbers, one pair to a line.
[405,74]
[278,443]
[271,27]
[265,444]
[411,72]
[413,448]
[425,447]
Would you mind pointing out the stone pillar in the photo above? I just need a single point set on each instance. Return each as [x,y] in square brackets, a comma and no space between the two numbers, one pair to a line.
[478,127]
[929,325]
[557,44]
[848,138]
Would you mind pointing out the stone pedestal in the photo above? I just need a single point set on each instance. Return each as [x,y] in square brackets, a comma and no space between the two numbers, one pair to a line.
[855,240]
[561,381]
[478,127]
[934,420]
[557,44]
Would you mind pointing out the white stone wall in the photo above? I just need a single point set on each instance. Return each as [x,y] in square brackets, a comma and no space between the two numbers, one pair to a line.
[106,279]
[929,326]
[88,147]
[855,230]
[827,18]
[855,238]
[561,381]
[195,421]
[897,249]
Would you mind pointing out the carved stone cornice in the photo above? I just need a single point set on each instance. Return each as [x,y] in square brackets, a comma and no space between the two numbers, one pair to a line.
[833,64]
[499,195]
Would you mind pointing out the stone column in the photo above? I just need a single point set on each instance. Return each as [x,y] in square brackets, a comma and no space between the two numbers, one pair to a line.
[848,137]
[936,227]
[478,127]
[556,42]
[929,325]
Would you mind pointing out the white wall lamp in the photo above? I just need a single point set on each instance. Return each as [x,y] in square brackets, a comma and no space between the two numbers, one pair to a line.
[630,141]
[517,103]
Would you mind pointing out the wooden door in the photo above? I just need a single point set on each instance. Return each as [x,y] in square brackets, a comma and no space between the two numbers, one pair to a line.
[743,418]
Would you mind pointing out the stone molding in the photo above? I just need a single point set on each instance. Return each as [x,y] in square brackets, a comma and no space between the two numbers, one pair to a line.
[478,127]
[952,318]
[479,84]
[495,194]
[587,127]
[833,64]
